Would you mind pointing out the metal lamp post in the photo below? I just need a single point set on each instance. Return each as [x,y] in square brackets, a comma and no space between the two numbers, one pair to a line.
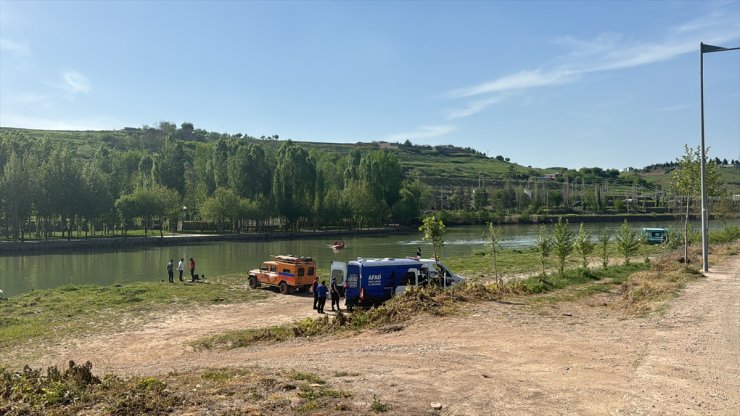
[704,48]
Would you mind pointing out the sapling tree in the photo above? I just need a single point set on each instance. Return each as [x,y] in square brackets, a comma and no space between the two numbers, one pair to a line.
[603,242]
[627,241]
[584,245]
[543,244]
[562,240]
[434,230]
[493,242]
[687,181]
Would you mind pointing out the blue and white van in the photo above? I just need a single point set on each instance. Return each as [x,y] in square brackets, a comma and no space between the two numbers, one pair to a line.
[370,282]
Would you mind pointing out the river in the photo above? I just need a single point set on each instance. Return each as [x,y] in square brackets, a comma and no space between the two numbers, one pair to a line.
[20,273]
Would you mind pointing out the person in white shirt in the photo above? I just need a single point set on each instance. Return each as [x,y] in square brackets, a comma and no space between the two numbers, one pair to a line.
[181,267]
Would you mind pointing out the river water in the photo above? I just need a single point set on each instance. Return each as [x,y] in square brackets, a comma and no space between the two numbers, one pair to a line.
[20,273]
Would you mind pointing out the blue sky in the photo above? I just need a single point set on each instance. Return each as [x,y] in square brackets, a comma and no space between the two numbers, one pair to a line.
[545,83]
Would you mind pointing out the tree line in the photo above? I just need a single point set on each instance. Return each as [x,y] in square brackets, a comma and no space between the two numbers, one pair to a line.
[231,183]
[144,178]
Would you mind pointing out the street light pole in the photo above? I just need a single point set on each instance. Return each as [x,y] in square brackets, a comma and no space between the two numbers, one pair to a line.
[704,48]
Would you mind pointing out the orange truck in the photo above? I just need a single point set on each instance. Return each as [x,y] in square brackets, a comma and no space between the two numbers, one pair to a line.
[287,273]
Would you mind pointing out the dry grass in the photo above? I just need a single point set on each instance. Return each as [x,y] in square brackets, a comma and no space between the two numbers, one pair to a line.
[232,391]
[648,291]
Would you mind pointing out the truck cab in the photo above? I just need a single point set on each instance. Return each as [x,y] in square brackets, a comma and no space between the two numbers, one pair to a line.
[439,273]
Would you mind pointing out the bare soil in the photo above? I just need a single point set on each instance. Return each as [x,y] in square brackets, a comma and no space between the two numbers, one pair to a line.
[510,358]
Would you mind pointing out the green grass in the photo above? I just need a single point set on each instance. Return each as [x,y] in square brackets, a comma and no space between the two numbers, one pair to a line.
[379,407]
[527,261]
[75,310]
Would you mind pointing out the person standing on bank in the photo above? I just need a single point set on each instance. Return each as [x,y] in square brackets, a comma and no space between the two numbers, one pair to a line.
[314,289]
[334,292]
[321,292]
[181,267]
[192,270]
[418,252]
[170,273]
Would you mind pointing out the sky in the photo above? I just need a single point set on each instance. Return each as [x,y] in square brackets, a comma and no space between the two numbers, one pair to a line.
[612,84]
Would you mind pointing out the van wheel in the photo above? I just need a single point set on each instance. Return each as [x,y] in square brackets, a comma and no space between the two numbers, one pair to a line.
[283,288]
[253,282]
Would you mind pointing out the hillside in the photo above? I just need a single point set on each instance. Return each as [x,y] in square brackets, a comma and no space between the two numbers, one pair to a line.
[423,161]
[437,166]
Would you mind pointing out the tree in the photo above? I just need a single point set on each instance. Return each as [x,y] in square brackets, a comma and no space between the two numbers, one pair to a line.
[382,173]
[480,199]
[98,201]
[603,241]
[562,239]
[408,209]
[434,230]
[126,209]
[687,181]
[16,186]
[364,207]
[222,206]
[169,166]
[726,208]
[249,171]
[66,187]
[493,242]
[148,204]
[627,242]
[584,246]
[293,184]
[543,244]
[220,164]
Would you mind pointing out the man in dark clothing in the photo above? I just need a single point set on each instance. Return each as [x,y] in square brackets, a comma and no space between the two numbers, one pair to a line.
[170,274]
[334,292]
[321,293]
[314,288]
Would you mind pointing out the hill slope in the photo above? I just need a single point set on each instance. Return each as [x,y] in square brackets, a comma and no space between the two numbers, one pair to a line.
[435,165]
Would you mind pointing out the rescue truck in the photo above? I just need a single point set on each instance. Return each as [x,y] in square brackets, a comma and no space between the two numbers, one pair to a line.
[288,273]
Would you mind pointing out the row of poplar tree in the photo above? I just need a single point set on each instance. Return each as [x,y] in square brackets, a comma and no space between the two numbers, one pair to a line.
[45,187]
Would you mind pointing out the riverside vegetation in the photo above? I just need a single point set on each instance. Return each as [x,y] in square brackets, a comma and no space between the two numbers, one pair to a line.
[638,287]
[165,178]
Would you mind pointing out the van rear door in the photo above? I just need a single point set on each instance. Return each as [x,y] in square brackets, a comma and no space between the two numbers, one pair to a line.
[338,271]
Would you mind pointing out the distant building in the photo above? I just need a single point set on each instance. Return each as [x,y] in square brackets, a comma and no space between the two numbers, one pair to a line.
[551,176]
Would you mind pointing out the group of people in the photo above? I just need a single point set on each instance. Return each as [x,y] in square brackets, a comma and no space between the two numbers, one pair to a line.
[320,291]
[181,269]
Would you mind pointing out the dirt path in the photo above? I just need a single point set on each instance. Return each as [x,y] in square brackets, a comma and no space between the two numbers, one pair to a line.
[498,358]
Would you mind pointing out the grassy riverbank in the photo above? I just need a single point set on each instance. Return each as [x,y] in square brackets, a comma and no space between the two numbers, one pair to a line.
[47,317]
